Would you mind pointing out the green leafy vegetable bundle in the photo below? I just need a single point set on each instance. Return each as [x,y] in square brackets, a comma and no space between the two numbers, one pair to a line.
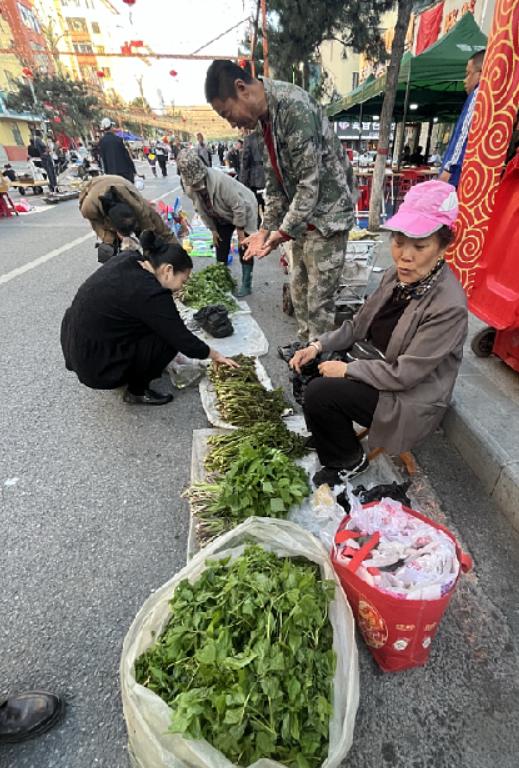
[246,660]
[261,481]
[242,399]
[211,285]
[224,449]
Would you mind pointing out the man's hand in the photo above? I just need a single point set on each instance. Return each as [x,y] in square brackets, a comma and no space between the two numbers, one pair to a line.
[302,357]
[444,176]
[219,359]
[216,239]
[254,244]
[333,369]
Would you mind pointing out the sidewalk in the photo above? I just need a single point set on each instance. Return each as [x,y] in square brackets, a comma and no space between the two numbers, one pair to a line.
[483,424]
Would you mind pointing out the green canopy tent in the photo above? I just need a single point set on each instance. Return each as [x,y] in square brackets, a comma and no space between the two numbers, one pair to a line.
[432,81]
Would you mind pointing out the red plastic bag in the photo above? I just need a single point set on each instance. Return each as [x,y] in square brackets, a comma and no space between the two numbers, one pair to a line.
[398,632]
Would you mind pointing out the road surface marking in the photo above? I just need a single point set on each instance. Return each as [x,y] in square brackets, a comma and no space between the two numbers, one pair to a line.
[8,276]
[42,259]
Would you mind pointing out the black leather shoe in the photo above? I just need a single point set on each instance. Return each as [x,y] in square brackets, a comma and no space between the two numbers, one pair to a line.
[150,397]
[29,714]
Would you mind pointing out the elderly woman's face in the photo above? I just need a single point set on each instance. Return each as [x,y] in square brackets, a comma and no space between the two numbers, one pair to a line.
[415,258]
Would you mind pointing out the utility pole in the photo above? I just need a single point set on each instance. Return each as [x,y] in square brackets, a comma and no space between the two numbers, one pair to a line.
[265,38]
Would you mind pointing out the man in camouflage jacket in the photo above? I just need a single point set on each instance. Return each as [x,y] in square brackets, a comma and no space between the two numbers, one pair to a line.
[308,200]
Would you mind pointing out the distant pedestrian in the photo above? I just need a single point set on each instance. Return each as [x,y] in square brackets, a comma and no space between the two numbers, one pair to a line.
[455,153]
[162,157]
[203,150]
[115,157]
[221,152]
[234,156]
[42,151]
[151,157]
[252,172]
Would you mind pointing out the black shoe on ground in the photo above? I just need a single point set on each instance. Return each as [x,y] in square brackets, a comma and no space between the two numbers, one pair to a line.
[27,715]
[337,476]
[149,397]
[310,444]
[288,351]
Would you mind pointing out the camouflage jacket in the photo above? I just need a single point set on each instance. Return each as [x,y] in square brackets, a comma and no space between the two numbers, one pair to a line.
[313,166]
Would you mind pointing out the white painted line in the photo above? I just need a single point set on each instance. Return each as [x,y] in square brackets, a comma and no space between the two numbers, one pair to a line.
[171,192]
[42,259]
[62,249]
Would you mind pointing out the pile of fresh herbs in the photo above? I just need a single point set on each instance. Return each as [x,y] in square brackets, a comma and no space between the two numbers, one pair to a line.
[246,660]
[261,481]
[224,448]
[241,398]
[211,285]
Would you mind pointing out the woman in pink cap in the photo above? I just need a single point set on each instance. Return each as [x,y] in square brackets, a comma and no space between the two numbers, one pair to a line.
[402,351]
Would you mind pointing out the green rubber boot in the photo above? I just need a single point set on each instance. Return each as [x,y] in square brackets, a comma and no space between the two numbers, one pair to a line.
[246,281]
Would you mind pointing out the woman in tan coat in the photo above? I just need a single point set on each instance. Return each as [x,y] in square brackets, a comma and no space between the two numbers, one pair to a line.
[414,324]
[100,194]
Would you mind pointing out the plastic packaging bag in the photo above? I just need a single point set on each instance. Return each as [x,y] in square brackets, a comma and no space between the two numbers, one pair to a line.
[139,183]
[184,371]
[148,716]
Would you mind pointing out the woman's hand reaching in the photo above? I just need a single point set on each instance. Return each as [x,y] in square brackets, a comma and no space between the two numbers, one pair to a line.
[302,357]
[219,359]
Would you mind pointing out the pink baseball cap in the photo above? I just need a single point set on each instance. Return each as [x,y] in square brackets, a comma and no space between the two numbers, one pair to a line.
[426,208]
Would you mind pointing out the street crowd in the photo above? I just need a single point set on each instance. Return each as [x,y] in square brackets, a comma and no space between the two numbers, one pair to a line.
[289,183]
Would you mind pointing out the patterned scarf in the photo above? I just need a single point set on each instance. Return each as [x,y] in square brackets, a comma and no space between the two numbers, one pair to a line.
[408,291]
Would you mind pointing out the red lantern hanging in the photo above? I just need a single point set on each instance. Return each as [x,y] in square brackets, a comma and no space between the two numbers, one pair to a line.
[129,2]
[100,73]
[27,71]
[242,63]
[173,72]
[57,119]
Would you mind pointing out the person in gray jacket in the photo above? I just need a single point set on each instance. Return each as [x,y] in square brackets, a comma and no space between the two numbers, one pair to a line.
[224,205]
[413,328]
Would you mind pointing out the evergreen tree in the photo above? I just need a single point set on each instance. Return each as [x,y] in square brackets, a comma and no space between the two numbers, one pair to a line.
[67,103]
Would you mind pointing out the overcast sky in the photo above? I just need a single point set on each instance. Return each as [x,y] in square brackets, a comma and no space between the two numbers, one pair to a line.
[179,26]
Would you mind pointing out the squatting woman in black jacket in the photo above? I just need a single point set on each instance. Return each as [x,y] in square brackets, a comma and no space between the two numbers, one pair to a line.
[123,327]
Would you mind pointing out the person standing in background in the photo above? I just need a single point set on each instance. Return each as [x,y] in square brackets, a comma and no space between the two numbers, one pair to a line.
[221,152]
[203,151]
[252,172]
[115,157]
[162,157]
[453,159]
[43,152]
[234,156]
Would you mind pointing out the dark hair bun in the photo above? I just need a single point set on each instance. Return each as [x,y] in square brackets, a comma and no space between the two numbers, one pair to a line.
[149,240]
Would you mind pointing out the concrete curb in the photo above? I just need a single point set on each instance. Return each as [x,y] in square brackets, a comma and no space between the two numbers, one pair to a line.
[483,424]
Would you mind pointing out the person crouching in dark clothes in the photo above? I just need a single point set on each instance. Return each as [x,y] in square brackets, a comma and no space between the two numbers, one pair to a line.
[123,328]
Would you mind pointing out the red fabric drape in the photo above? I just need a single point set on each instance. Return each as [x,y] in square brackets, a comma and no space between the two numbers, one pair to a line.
[429,29]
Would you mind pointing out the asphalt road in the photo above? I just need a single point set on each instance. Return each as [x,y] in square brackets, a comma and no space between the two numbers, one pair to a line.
[92,522]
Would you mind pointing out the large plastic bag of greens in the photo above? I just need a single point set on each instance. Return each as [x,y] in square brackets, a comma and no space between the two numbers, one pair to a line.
[148,717]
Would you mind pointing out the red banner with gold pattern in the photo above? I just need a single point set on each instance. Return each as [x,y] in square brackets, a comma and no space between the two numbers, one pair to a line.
[496,107]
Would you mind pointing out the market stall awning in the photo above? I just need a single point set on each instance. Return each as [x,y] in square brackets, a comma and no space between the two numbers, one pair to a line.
[435,79]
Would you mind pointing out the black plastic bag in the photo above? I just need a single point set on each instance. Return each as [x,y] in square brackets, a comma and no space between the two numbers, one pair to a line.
[214,319]
[395,491]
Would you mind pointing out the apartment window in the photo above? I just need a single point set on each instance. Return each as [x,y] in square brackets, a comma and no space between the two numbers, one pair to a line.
[100,49]
[71,3]
[83,48]
[28,18]
[77,25]
[354,80]
[95,28]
